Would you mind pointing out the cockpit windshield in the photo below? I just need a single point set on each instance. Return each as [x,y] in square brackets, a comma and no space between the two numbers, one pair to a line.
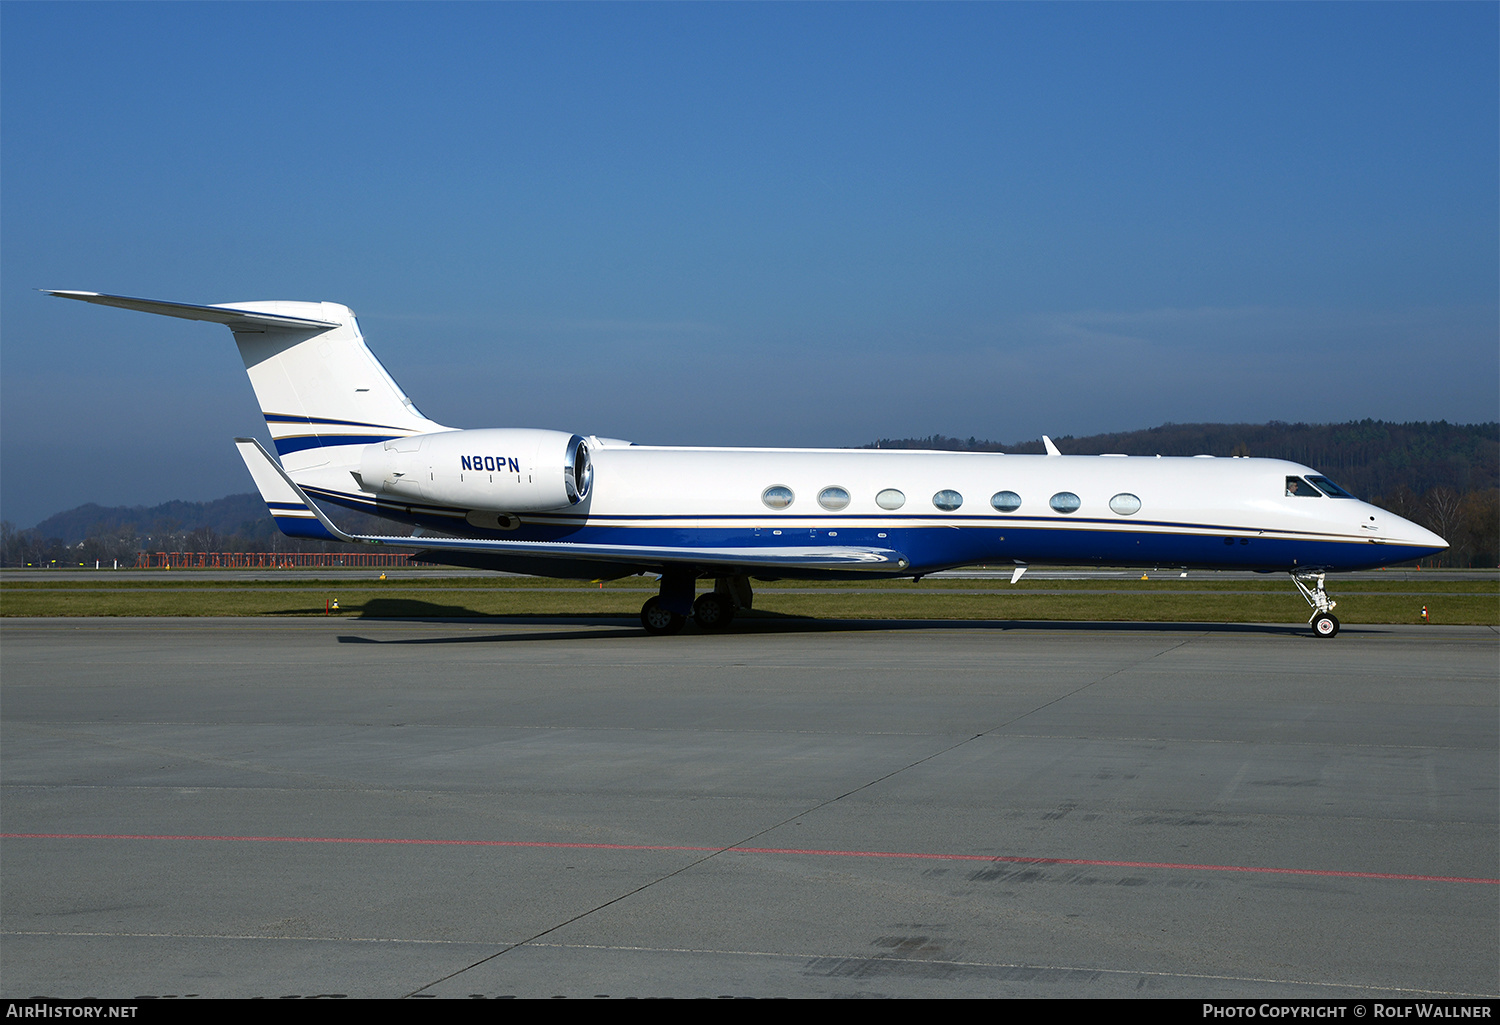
[1314,487]
[1329,488]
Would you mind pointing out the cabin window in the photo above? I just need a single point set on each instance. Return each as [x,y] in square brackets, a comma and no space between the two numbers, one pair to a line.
[1296,487]
[777,497]
[947,500]
[833,499]
[1125,504]
[1005,501]
[1329,488]
[890,498]
[1064,502]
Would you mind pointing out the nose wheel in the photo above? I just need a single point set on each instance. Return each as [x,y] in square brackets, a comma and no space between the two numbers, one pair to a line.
[1323,622]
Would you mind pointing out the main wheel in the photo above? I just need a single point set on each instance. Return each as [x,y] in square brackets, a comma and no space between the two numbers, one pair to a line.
[1325,624]
[713,611]
[658,621]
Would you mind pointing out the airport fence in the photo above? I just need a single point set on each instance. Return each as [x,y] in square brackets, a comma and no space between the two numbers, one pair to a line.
[269,560]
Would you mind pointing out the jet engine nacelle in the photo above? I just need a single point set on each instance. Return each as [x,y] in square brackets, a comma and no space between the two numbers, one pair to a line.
[497,471]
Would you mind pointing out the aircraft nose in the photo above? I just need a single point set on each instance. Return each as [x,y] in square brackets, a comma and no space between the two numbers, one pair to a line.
[1418,535]
[1429,538]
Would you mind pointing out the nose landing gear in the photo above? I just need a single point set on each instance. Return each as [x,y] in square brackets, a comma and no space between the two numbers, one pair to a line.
[1323,622]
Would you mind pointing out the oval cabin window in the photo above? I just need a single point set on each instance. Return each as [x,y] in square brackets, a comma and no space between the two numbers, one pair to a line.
[833,499]
[1125,504]
[1065,502]
[890,498]
[947,500]
[777,497]
[1005,501]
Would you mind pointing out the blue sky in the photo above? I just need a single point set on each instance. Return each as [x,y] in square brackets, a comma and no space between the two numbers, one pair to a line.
[759,224]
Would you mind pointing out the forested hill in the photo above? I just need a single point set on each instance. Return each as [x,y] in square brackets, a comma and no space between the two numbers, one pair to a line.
[230,515]
[1369,457]
[240,521]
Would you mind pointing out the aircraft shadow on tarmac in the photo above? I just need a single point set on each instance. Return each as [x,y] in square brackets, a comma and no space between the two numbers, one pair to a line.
[767,623]
[411,608]
[392,608]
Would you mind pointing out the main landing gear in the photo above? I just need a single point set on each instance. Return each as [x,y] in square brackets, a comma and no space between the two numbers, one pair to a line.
[668,612]
[660,620]
[1323,622]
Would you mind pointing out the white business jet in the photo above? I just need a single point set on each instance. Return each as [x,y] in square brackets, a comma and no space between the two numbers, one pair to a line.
[553,503]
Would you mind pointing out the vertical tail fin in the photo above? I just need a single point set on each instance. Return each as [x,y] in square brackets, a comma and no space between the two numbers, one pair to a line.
[322,391]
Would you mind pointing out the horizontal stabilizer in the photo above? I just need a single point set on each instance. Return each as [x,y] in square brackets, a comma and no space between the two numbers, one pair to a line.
[235,319]
[296,515]
[289,507]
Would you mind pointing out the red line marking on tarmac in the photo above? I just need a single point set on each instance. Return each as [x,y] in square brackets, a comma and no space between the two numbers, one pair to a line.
[997,859]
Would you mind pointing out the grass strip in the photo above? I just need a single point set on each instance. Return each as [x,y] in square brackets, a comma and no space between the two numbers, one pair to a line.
[1271,584]
[1447,601]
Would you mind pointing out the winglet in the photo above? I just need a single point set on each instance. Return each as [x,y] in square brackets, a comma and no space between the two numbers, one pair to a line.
[1051,448]
[294,514]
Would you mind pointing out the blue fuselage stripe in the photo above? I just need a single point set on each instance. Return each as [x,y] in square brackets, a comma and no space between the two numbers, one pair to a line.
[936,547]
[303,526]
[285,446]
[288,418]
